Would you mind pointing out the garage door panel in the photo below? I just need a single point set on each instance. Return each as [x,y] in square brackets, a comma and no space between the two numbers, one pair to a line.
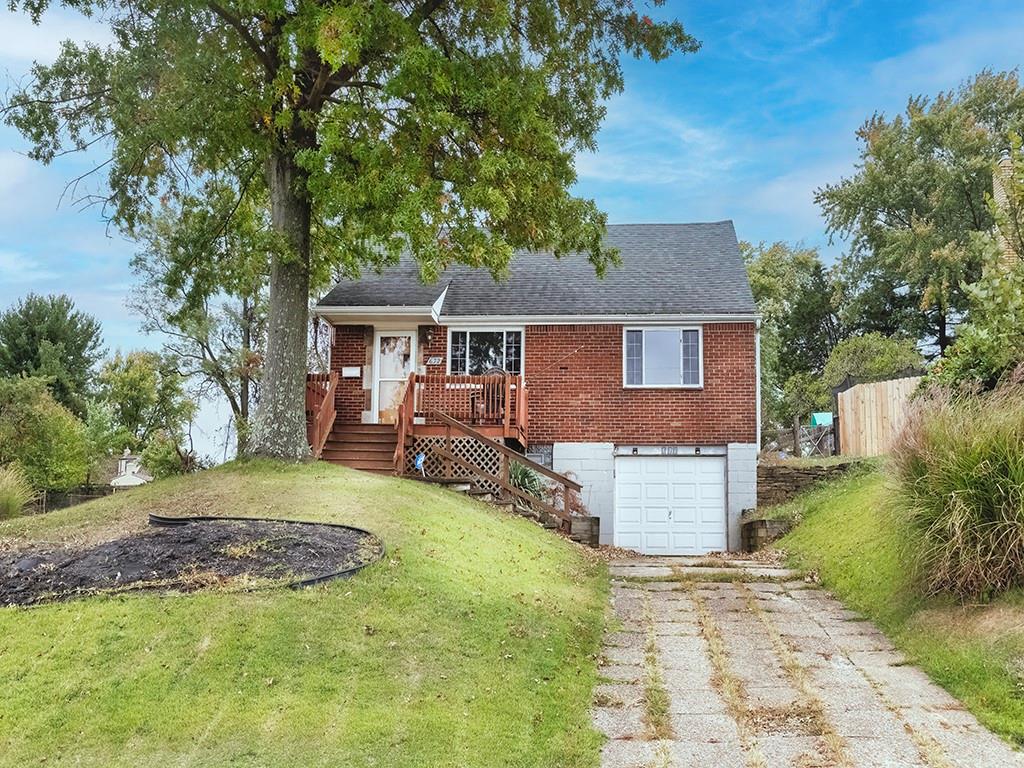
[673,505]
[684,492]
[711,543]
[655,491]
[656,542]
[656,515]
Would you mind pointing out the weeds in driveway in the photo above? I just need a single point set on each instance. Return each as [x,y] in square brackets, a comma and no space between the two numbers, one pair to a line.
[656,701]
[809,710]
[728,685]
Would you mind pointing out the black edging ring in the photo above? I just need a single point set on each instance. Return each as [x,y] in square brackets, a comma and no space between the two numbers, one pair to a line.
[172,522]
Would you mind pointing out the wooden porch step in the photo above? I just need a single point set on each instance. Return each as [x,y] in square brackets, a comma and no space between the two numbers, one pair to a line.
[363,437]
[366,464]
[373,454]
[360,445]
[363,429]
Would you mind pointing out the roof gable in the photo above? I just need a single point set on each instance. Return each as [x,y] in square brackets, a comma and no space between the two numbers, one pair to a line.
[667,269]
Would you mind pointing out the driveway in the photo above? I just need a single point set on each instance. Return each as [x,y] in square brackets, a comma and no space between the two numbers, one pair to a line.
[742,666]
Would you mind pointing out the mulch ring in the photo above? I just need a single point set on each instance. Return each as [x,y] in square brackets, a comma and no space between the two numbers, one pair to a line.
[201,553]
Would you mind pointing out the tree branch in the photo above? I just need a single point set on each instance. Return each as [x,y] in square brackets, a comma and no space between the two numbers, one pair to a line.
[239,26]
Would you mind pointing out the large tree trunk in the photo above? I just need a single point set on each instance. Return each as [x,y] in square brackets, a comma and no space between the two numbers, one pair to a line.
[279,426]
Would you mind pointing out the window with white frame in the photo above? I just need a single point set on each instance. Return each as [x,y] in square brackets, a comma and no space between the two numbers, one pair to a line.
[663,357]
[477,352]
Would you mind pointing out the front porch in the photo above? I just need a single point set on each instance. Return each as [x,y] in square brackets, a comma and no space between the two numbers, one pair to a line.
[469,430]
[494,405]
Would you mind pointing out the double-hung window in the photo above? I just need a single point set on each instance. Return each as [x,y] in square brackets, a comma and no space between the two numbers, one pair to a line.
[477,352]
[663,357]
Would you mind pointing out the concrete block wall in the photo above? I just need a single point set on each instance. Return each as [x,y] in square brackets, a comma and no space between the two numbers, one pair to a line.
[593,465]
[741,490]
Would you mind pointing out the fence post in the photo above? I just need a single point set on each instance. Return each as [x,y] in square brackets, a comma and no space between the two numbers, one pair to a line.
[448,450]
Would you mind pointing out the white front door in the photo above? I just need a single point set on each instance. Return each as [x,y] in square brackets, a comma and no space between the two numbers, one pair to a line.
[670,505]
[394,357]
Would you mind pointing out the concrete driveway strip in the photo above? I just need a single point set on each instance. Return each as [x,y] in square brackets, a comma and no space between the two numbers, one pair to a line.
[750,669]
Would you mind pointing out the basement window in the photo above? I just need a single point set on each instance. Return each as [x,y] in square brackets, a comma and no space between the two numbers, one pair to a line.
[477,352]
[663,358]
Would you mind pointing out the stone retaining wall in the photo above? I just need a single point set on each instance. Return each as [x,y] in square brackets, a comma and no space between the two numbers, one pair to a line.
[778,483]
[755,534]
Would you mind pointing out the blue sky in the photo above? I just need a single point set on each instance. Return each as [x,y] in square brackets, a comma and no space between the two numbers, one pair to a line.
[745,129]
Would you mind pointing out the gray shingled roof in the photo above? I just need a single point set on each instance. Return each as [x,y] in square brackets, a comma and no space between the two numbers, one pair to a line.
[666,269]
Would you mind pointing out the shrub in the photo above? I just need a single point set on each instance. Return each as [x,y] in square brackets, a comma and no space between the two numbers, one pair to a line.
[166,457]
[41,435]
[959,464]
[15,491]
[525,479]
[560,497]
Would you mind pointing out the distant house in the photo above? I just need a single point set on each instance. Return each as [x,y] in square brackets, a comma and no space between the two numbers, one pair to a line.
[130,472]
[643,385]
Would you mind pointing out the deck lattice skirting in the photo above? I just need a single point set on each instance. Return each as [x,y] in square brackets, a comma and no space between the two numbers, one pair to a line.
[483,456]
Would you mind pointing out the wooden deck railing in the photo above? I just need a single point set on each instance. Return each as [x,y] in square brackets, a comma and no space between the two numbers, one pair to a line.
[454,428]
[404,420]
[320,409]
[480,401]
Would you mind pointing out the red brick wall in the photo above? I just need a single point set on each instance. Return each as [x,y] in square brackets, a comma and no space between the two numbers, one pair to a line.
[574,375]
[351,346]
[432,341]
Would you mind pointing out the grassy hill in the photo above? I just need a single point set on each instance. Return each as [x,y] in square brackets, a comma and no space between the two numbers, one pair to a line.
[471,644]
[864,553]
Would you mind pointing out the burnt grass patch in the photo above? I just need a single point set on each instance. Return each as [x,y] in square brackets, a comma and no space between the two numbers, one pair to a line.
[196,555]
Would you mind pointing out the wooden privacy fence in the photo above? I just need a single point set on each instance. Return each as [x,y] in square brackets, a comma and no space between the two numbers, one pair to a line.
[872,414]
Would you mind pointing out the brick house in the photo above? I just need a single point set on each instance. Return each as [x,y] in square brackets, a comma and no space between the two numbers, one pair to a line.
[643,384]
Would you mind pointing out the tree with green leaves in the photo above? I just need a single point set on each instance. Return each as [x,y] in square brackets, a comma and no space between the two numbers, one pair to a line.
[914,204]
[446,129]
[208,299]
[147,395]
[799,325]
[989,346]
[41,436]
[46,336]
[870,356]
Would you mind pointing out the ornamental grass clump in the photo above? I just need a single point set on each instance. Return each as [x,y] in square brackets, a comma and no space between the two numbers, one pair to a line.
[959,465]
[15,491]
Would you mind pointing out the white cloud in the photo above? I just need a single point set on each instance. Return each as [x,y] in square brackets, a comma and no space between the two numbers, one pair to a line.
[18,269]
[644,143]
[22,42]
[943,64]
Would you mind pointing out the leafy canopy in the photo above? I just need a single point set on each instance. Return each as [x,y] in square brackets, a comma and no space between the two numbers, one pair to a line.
[871,356]
[46,336]
[989,347]
[208,299]
[41,436]
[799,326]
[912,207]
[445,127]
[147,396]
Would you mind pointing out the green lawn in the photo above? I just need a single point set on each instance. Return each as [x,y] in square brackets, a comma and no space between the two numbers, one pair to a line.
[472,644]
[864,553]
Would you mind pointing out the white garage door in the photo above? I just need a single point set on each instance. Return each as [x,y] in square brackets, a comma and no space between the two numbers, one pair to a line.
[670,505]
